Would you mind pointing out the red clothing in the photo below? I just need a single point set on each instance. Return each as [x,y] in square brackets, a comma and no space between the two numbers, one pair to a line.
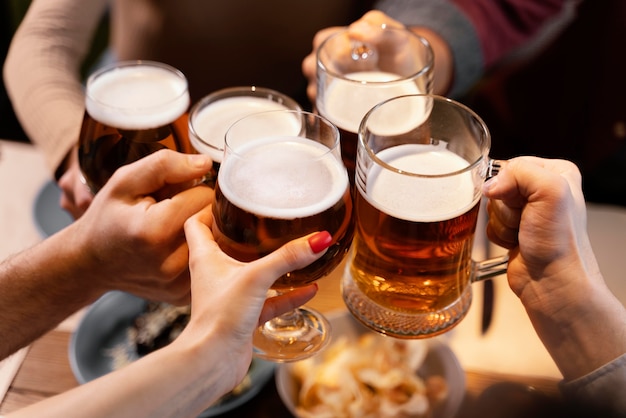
[502,25]
[568,101]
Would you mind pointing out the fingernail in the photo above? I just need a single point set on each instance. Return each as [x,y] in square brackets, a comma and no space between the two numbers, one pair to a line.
[199,160]
[490,184]
[320,241]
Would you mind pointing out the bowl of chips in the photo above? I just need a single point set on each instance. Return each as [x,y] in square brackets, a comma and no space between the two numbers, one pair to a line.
[364,374]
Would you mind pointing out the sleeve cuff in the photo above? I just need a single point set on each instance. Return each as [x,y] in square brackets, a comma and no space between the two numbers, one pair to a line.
[444,18]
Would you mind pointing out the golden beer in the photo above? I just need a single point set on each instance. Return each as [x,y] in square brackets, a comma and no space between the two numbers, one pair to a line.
[413,267]
[421,163]
[278,189]
[414,254]
[132,110]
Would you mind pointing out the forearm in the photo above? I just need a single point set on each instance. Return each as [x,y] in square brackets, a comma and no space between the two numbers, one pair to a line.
[172,382]
[581,323]
[592,336]
[41,72]
[40,287]
[477,33]
[458,53]
[444,64]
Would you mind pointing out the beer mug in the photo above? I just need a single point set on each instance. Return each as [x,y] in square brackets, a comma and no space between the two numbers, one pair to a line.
[421,163]
[132,109]
[353,76]
[210,118]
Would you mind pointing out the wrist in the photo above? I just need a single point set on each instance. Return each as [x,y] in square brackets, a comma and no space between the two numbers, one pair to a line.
[206,363]
[76,265]
[580,324]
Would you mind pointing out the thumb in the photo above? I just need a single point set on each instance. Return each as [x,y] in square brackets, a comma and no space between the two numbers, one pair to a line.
[157,170]
[525,179]
[294,255]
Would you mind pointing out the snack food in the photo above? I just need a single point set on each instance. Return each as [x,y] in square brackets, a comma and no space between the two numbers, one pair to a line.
[374,376]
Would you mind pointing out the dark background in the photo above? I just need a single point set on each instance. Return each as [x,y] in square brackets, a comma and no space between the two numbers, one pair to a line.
[11,13]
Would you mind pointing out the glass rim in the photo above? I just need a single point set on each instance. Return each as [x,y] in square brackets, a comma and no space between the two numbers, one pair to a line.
[424,70]
[235,91]
[137,63]
[335,131]
[482,158]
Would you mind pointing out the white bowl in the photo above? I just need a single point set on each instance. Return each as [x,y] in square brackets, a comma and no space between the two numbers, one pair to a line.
[440,360]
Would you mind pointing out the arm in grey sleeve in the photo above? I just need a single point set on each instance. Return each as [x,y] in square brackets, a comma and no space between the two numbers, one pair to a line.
[444,18]
[602,389]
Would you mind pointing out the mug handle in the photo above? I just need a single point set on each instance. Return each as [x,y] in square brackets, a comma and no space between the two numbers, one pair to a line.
[482,270]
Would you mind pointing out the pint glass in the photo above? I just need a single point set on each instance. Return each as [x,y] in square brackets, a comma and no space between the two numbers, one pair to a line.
[282,178]
[210,118]
[132,109]
[421,162]
[353,76]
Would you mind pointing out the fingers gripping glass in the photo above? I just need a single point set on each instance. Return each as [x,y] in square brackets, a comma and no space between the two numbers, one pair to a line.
[282,178]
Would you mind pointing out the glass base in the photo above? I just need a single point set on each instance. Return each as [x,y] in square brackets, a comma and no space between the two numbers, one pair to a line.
[294,336]
[401,324]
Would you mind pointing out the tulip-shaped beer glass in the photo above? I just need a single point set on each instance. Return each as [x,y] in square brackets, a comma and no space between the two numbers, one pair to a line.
[421,162]
[133,108]
[210,118]
[281,178]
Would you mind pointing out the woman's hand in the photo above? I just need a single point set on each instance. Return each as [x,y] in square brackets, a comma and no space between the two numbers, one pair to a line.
[230,298]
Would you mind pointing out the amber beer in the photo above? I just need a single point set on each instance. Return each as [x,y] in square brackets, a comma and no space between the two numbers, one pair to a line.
[414,236]
[273,192]
[132,109]
[412,266]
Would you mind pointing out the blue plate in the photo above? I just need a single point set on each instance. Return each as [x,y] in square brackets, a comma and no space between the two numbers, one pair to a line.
[104,327]
[49,216]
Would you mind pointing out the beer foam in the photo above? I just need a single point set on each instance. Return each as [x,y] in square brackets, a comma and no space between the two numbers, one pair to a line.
[283,178]
[421,199]
[137,97]
[212,122]
[347,101]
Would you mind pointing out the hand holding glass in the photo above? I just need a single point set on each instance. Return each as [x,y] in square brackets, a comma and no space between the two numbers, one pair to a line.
[282,178]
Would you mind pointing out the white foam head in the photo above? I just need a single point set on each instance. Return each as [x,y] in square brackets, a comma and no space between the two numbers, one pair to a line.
[137,96]
[283,177]
[212,121]
[346,101]
[422,199]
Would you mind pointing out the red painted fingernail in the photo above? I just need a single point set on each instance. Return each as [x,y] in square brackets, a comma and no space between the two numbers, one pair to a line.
[320,241]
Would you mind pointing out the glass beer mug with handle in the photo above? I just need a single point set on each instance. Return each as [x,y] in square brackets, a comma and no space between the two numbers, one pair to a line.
[282,178]
[355,75]
[132,109]
[421,163]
